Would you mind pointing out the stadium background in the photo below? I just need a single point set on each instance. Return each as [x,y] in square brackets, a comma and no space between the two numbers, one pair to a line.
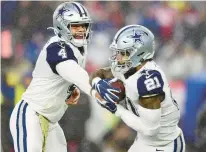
[180,31]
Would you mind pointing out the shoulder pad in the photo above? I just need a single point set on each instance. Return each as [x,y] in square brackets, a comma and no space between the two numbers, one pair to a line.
[58,52]
[150,83]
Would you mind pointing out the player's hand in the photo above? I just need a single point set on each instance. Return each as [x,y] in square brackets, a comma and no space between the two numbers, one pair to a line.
[73,98]
[105,90]
[110,106]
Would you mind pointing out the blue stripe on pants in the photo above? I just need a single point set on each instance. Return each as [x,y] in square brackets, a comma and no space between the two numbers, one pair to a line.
[17,126]
[24,128]
[181,144]
[175,145]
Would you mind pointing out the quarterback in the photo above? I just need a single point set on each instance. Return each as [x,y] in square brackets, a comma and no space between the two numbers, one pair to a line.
[58,75]
[149,106]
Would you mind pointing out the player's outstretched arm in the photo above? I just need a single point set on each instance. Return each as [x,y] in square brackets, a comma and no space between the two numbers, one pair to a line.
[74,73]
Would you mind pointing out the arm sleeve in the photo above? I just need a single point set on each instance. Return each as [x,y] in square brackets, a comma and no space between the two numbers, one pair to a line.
[74,73]
[148,123]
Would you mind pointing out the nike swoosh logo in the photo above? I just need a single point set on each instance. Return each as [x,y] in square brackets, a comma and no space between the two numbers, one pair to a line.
[159,150]
[148,76]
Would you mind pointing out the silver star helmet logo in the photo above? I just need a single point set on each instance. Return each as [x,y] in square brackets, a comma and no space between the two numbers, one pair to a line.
[62,11]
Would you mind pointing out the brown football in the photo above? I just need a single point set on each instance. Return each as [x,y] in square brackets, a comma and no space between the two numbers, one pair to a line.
[119,84]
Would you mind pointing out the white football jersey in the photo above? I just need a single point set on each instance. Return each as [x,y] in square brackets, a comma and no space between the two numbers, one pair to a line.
[48,91]
[150,81]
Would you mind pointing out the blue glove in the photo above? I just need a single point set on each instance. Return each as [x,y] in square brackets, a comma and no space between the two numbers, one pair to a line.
[110,106]
[106,91]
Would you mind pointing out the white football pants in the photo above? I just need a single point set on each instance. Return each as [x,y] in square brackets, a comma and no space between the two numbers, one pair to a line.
[178,145]
[27,133]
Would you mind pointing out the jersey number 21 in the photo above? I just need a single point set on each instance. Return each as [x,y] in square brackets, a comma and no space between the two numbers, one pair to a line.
[152,83]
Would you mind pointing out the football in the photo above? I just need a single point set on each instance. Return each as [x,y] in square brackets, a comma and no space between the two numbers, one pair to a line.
[119,84]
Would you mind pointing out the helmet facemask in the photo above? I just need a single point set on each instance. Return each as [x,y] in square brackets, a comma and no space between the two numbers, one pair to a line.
[80,38]
[121,60]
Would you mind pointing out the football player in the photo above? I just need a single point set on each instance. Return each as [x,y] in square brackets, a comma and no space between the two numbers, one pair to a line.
[150,108]
[58,72]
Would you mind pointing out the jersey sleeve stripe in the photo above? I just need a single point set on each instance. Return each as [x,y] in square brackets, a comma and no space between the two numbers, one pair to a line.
[84,10]
[152,95]
[77,8]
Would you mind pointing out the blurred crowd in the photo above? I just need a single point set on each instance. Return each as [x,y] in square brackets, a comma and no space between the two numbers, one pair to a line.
[180,40]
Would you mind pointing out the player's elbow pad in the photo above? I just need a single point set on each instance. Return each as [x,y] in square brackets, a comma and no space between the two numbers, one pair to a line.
[151,131]
[150,119]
